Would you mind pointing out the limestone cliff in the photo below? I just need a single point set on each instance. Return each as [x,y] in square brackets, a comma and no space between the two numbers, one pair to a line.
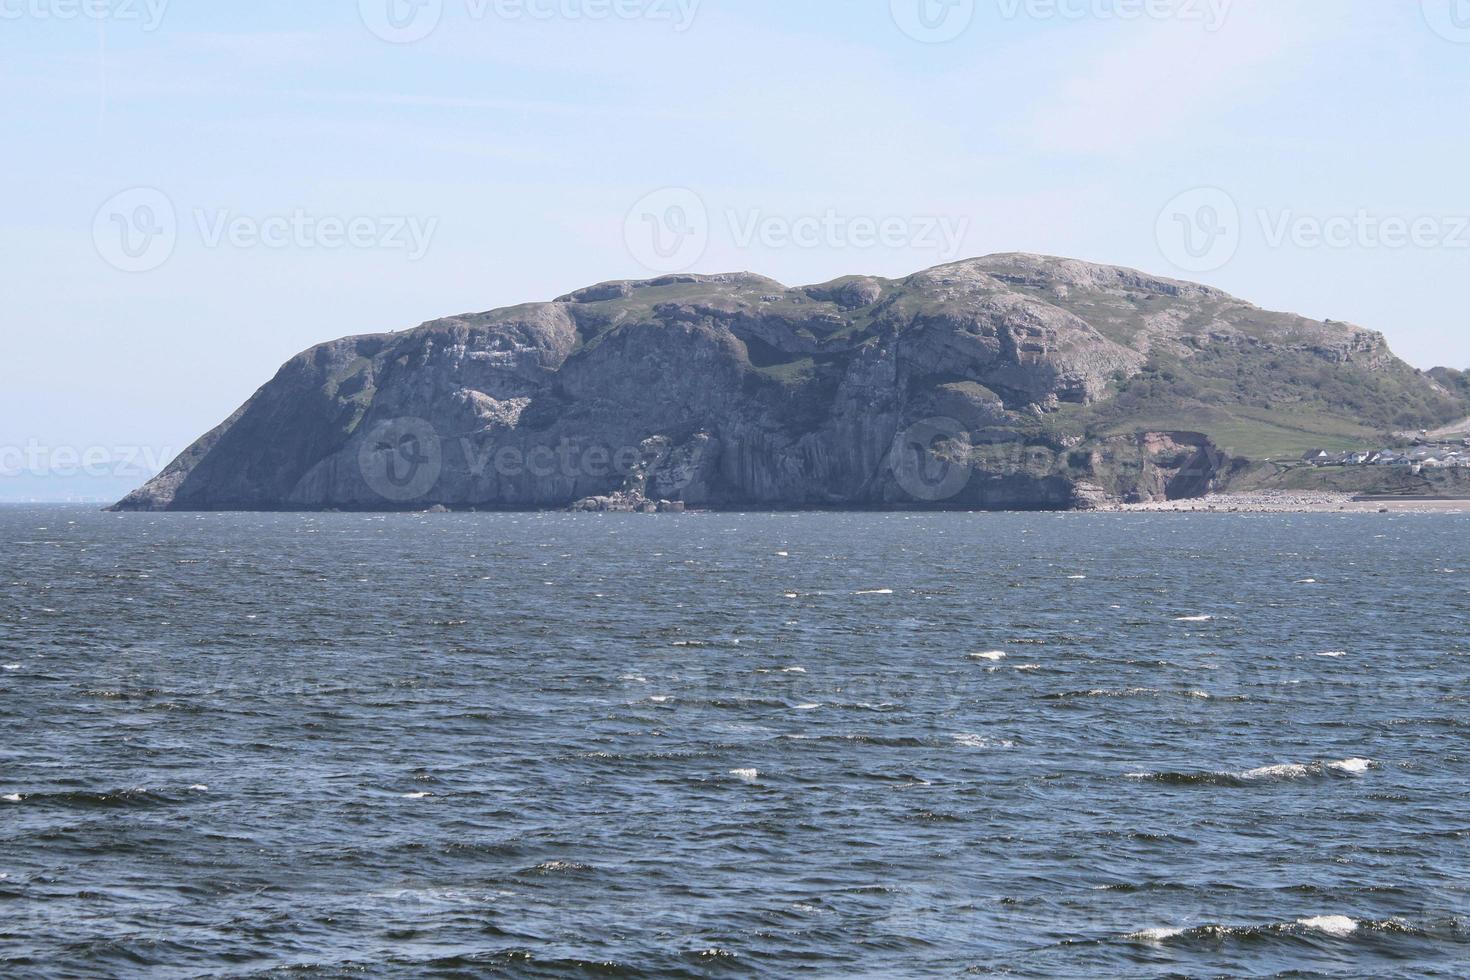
[1012,381]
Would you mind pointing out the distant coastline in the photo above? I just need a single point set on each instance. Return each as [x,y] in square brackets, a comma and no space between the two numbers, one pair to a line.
[1298,502]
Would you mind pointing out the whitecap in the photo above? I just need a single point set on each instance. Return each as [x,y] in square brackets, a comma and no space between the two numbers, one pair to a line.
[875,592]
[1290,770]
[783,554]
[1156,935]
[1351,765]
[1306,581]
[12,666]
[792,595]
[548,866]
[13,798]
[417,796]
[1333,653]
[793,670]
[1333,925]
[748,775]
[970,741]
[1029,667]
[1076,578]
[989,655]
[1193,619]
[660,698]
[199,788]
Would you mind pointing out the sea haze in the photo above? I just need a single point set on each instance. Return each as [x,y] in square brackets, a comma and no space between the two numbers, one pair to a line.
[710,744]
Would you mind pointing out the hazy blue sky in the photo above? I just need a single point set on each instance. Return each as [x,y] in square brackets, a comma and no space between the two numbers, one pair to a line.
[195,191]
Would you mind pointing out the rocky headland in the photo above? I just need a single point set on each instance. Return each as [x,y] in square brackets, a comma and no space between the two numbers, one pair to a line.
[1006,382]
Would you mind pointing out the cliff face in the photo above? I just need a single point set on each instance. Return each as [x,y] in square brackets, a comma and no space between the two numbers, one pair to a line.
[1012,381]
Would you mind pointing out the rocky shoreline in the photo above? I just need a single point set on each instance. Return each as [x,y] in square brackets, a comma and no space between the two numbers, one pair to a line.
[1292,502]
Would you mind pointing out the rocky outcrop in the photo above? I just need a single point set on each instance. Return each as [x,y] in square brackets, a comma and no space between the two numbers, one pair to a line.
[1013,381]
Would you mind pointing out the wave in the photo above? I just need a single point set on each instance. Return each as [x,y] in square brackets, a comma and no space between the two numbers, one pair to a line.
[1264,774]
[971,741]
[558,867]
[883,741]
[1336,926]
[83,800]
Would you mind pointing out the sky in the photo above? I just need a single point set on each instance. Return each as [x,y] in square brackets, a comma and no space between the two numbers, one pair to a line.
[194,191]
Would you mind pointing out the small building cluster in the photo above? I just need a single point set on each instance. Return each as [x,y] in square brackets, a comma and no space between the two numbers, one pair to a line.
[1422,456]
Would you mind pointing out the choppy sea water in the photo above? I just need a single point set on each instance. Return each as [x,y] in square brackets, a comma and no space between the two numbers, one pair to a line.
[717,745]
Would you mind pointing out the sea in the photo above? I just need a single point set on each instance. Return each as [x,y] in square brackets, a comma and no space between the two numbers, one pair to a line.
[720,744]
